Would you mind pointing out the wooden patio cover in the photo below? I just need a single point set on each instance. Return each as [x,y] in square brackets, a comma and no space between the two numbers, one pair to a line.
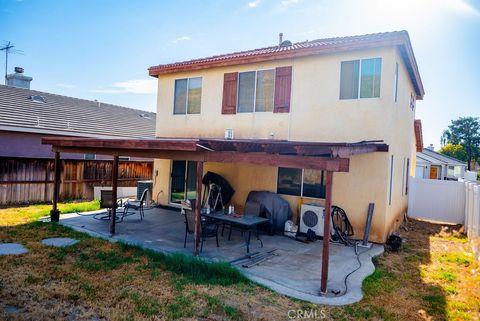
[330,157]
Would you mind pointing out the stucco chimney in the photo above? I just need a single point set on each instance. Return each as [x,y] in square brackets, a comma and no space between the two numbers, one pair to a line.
[431,147]
[18,79]
[280,38]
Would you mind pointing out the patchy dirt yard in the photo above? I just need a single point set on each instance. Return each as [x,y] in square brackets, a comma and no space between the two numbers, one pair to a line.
[434,277]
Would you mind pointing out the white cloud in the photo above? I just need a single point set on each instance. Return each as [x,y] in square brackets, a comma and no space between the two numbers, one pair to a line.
[182,39]
[133,86]
[66,86]
[288,3]
[461,6]
[254,4]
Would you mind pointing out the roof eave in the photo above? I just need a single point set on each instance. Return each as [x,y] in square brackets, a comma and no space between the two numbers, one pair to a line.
[400,39]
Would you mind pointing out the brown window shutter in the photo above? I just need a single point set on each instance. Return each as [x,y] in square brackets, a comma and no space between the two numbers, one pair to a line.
[229,103]
[283,87]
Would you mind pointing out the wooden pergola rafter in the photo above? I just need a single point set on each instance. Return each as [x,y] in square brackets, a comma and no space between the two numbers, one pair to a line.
[329,157]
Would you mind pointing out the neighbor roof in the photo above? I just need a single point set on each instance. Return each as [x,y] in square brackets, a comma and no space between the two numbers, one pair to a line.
[444,158]
[306,48]
[424,158]
[40,112]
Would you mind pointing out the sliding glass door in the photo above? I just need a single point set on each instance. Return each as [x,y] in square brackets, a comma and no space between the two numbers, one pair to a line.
[183,178]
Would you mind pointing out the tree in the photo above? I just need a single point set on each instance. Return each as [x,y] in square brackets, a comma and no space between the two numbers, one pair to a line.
[464,131]
[454,150]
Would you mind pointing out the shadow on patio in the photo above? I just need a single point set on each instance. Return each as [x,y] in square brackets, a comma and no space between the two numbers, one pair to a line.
[294,270]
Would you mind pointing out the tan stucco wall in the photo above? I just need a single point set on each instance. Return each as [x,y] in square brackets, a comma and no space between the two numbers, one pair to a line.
[316,114]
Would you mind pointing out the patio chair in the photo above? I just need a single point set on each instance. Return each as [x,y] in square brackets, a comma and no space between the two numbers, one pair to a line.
[208,228]
[135,205]
[106,201]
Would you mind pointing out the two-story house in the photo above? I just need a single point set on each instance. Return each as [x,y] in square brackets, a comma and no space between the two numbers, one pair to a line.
[349,89]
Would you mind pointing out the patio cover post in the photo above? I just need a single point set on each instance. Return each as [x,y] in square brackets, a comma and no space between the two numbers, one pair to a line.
[55,213]
[326,232]
[198,205]
[114,194]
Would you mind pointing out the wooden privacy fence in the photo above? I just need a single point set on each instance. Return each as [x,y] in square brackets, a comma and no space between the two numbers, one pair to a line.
[29,180]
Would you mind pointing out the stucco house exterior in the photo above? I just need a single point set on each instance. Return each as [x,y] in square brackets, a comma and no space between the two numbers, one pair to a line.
[349,89]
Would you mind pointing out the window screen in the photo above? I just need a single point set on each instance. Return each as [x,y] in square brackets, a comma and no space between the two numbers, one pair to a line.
[370,78]
[313,183]
[246,92]
[180,103]
[349,79]
[265,89]
[194,95]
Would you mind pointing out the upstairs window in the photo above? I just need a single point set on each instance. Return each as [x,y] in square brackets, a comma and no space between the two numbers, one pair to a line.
[255,91]
[188,96]
[395,94]
[360,78]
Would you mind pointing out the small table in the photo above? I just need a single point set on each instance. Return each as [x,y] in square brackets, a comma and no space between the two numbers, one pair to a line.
[248,223]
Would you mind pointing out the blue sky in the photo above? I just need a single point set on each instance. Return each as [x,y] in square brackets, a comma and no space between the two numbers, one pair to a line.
[102,49]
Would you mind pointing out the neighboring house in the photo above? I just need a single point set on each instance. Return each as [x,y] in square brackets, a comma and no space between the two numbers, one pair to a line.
[433,165]
[26,166]
[350,89]
[27,115]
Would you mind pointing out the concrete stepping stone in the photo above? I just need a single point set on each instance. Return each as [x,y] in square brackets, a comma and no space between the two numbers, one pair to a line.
[59,241]
[12,249]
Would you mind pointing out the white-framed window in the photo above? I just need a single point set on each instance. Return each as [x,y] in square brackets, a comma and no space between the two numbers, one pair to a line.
[360,78]
[395,94]
[255,91]
[188,96]
[301,182]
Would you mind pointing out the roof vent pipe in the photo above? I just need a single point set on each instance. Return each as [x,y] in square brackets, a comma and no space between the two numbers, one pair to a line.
[280,38]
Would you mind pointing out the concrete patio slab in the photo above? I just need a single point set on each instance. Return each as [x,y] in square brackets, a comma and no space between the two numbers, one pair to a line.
[12,249]
[295,271]
[59,241]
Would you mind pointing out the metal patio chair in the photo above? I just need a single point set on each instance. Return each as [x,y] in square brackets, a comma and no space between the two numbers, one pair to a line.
[208,228]
[106,201]
[135,205]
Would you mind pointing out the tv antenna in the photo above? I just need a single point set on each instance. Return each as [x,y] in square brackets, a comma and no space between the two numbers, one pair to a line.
[9,48]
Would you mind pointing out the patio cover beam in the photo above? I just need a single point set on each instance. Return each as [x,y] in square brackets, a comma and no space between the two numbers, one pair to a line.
[263,159]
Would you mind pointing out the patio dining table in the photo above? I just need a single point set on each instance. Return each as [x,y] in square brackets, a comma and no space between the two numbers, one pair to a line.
[248,223]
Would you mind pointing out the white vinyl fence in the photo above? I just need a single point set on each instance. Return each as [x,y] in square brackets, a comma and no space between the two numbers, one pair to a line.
[447,202]
[472,209]
[437,200]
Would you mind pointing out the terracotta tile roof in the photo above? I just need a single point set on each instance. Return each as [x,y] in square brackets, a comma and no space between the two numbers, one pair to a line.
[306,48]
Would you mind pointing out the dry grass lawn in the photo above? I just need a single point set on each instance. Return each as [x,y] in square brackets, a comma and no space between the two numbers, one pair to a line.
[433,278]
